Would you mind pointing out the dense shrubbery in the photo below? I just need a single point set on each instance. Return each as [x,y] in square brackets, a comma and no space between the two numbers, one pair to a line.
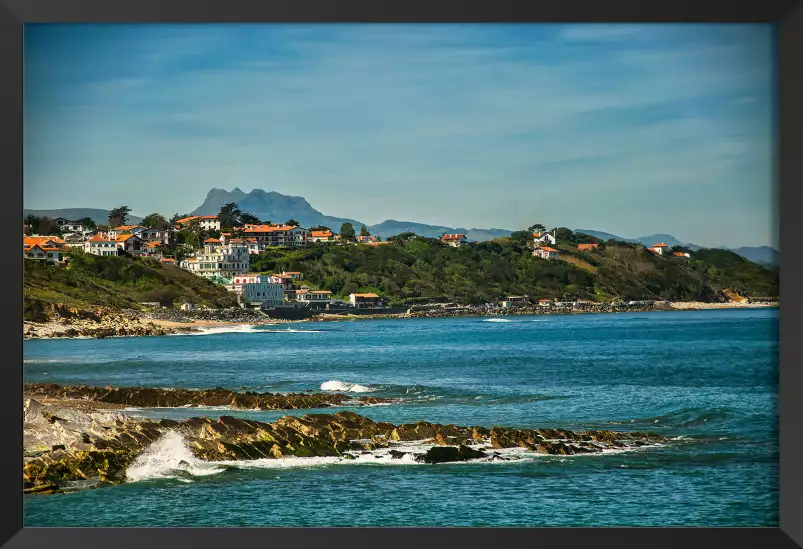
[118,282]
[413,269]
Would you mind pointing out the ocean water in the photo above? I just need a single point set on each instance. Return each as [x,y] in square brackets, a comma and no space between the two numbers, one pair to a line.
[706,379]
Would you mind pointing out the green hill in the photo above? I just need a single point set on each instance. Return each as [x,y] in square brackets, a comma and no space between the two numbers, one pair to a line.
[418,269]
[118,282]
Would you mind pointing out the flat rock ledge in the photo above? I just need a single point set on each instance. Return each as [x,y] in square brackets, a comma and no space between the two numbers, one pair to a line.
[65,445]
[148,397]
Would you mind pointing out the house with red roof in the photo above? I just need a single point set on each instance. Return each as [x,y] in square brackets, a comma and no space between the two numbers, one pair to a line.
[365,300]
[49,254]
[545,252]
[277,235]
[454,240]
[659,248]
[544,237]
[322,236]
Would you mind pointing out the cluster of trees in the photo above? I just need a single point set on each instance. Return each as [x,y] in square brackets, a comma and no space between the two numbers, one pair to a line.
[413,269]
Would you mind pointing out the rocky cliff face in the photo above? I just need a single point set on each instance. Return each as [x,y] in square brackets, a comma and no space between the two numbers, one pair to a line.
[270,206]
[66,441]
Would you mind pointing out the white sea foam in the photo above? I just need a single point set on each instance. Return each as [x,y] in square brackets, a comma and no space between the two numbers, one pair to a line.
[340,386]
[170,458]
[497,320]
[166,458]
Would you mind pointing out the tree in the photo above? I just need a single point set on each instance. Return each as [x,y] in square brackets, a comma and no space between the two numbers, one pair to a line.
[119,216]
[320,228]
[229,215]
[536,228]
[155,221]
[86,223]
[31,220]
[292,223]
[45,226]
[401,237]
[347,231]
[249,219]
[364,231]
[176,217]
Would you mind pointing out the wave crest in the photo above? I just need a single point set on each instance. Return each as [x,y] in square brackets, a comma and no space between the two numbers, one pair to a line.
[340,386]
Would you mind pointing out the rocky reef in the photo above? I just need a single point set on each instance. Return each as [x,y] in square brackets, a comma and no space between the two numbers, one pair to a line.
[69,441]
[149,397]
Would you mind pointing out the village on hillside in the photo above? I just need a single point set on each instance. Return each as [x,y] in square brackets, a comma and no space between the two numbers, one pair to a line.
[219,248]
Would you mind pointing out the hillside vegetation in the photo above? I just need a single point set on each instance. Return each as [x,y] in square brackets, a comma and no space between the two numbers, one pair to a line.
[415,269]
[111,281]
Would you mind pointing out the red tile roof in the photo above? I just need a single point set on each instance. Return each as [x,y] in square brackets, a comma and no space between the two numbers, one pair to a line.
[452,236]
[366,295]
[547,249]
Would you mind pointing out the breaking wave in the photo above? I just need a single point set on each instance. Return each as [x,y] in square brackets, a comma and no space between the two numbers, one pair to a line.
[340,386]
[169,457]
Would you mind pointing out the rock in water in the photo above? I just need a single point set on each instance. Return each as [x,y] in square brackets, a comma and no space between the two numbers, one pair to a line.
[445,454]
[102,444]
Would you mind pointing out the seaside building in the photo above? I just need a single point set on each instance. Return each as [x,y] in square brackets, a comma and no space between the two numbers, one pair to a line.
[682,254]
[315,298]
[257,289]
[545,252]
[67,225]
[454,240]
[544,302]
[219,260]
[296,275]
[125,229]
[131,243]
[659,248]
[365,300]
[515,300]
[277,235]
[587,247]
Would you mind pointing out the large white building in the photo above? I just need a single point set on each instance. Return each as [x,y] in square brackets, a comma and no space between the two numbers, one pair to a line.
[206,222]
[257,289]
[219,260]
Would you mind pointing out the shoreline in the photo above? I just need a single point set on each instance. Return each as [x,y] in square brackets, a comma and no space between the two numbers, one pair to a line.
[137,326]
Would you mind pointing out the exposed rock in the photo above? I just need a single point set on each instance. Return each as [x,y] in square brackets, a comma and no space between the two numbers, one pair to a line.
[64,443]
[148,397]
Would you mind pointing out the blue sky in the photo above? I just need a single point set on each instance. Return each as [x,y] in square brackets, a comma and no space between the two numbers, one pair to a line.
[630,129]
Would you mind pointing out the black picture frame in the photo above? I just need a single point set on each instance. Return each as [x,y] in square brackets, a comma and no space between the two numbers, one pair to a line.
[786,15]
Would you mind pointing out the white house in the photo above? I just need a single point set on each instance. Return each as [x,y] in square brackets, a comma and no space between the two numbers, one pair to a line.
[454,240]
[365,300]
[544,302]
[545,252]
[131,243]
[322,236]
[257,289]
[66,225]
[101,245]
[206,222]
[543,237]
[43,253]
[125,229]
[314,297]
[219,260]
[296,275]
[659,248]
[515,300]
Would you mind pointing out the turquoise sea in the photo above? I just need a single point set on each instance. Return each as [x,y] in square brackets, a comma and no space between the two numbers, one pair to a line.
[706,379]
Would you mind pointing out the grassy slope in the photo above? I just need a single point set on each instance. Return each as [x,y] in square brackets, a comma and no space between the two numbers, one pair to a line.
[423,269]
[120,282]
